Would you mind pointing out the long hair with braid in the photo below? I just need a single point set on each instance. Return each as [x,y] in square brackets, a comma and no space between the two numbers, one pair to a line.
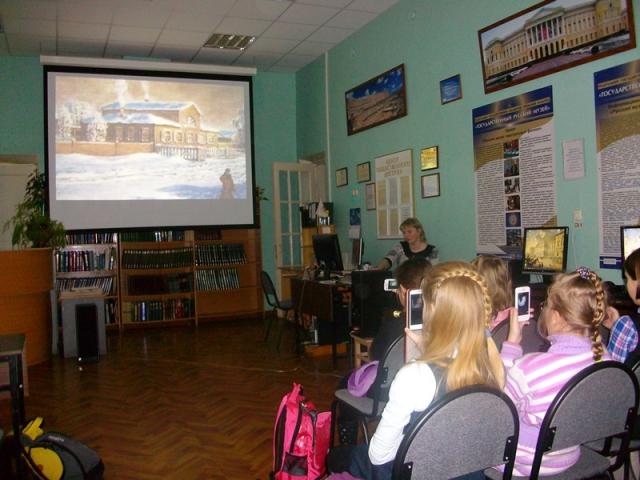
[457,312]
[580,300]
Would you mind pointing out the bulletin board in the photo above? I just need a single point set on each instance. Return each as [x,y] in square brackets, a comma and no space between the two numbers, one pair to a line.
[394,192]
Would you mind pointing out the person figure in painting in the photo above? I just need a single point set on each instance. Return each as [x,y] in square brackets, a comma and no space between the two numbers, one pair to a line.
[228,187]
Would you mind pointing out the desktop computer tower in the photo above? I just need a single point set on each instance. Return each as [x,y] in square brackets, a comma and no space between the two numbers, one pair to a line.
[83,329]
[369,300]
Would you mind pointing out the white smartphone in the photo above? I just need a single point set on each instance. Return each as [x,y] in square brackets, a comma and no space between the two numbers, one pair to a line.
[523,303]
[390,284]
[414,309]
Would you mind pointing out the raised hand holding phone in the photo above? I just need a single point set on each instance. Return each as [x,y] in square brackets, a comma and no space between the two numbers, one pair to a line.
[413,325]
[523,303]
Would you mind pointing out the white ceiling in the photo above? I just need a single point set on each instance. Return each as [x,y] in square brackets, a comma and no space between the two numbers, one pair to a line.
[289,33]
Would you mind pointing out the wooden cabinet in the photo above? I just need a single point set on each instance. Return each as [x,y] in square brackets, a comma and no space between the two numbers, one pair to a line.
[228,273]
[90,262]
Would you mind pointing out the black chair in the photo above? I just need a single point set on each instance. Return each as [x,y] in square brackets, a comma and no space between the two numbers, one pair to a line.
[599,402]
[271,296]
[532,341]
[467,430]
[611,446]
[369,408]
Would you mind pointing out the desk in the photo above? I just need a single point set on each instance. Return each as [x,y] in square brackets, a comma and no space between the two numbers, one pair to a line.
[11,352]
[330,303]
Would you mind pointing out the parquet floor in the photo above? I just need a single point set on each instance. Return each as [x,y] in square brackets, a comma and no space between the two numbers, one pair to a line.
[178,403]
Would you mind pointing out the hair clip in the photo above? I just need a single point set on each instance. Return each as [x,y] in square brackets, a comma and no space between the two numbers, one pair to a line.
[584,272]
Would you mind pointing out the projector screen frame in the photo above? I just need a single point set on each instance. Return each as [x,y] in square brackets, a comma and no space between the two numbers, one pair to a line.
[250,215]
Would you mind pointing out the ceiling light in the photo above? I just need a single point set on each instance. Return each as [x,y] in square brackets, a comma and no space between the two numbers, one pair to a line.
[229,41]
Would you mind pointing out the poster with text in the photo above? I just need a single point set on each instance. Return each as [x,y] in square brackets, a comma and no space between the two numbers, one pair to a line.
[394,192]
[514,166]
[617,101]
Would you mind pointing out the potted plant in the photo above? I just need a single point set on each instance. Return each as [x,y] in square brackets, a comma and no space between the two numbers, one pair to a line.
[32,227]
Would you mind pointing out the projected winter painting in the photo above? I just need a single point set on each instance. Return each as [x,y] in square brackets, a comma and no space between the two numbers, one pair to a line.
[149,139]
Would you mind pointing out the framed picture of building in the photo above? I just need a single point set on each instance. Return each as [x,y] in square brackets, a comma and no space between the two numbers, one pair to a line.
[553,35]
[376,101]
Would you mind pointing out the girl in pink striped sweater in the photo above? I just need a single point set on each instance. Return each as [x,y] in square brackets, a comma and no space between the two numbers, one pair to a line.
[570,318]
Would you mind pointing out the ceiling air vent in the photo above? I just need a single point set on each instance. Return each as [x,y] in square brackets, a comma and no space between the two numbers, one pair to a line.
[229,41]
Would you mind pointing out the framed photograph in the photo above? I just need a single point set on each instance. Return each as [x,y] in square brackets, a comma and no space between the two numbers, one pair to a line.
[370,195]
[429,158]
[431,185]
[553,35]
[376,101]
[363,172]
[450,89]
[342,177]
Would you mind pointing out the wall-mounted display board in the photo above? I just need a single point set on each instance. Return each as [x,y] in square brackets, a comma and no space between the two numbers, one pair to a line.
[617,99]
[394,192]
[515,180]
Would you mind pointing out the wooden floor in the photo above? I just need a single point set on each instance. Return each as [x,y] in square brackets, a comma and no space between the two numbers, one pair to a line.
[178,403]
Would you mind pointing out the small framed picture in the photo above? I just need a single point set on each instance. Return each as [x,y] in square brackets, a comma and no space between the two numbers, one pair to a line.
[431,185]
[450,89]
[363,172]
[429,158]
[370,195]
[342,177]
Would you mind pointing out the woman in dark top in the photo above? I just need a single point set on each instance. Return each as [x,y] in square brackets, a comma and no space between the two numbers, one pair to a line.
[414,245]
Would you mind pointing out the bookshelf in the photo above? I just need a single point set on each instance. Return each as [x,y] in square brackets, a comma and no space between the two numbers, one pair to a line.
[166,277]
[90,261]
[156,278]
[227,271]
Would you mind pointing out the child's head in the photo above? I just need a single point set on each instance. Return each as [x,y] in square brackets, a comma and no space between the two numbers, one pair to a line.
[457,311]
[576,303]
[496,273]
[409,276]
[632,274]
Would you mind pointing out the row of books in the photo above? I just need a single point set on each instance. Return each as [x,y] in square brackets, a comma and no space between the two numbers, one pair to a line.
[91,238]
[166,258]
[208,234]
[86,260]
[153,236]
[219,279]
[157,310]
[106,284]
[110,312]
[220,254]
[159,284]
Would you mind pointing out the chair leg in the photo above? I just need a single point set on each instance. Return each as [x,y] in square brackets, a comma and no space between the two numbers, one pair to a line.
[267,319]
[334,422]
[365,429]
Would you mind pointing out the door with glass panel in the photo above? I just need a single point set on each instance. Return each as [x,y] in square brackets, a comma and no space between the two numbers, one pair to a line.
[292,187]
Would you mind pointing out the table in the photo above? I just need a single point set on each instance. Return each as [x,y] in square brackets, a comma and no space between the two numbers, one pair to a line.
[330,302]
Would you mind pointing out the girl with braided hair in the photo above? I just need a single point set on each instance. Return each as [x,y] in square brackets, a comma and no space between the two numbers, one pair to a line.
[570,319]
[457,311]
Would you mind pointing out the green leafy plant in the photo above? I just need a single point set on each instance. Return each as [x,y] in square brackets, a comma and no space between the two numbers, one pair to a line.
[31,225]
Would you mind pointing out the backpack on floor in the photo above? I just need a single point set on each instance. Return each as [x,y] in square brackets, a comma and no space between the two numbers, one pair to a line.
[300,438]
[56,456]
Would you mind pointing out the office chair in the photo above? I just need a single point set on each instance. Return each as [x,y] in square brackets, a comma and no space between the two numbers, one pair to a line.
[370,408]
[611,446]
[271,296]
[583,411]
[465,431]
[531,339]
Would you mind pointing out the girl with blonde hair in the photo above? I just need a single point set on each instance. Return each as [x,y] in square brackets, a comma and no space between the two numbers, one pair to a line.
[496,273]
[570,318]
[457,310]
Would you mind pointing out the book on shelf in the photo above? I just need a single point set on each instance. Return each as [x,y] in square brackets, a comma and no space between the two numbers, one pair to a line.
[153,236]
[154,310]
[91,238]
[155,259]
[86,260]
[159,284]
[105,284]
[217,279]
[220,254]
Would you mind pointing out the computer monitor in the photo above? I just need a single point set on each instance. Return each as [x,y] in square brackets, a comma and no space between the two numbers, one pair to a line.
[544,250]
[630,239]
[326,248]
